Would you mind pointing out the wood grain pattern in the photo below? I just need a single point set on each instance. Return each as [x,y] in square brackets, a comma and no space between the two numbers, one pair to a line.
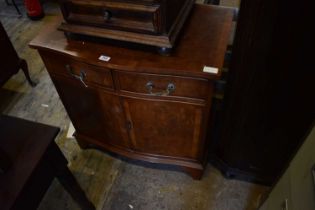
[188,87]
[187,59]
[123,16]
[164,128]
[153,23]
[94,75]
[126,119]
[93,111]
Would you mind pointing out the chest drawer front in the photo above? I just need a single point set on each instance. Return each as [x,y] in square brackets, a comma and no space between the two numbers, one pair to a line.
[117,15]
[164,85]
[68,67]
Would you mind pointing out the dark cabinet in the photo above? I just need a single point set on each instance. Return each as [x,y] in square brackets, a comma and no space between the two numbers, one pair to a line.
[154,125]
[269,104]
[140,104]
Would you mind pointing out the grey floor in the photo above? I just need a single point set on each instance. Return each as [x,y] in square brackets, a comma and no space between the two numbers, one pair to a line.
[110,182]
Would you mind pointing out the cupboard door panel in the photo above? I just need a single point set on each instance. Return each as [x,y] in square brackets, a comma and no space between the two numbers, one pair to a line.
[94,113]
[165,128]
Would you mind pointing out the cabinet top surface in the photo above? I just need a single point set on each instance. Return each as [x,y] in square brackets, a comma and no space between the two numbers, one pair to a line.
[202,42]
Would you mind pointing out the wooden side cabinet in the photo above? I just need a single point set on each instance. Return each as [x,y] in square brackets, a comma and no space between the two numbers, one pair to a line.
[140,104]
[269,97]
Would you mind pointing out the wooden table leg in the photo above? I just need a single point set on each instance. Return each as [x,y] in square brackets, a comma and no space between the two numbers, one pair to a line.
[68,181]
[24,67]
[66,178]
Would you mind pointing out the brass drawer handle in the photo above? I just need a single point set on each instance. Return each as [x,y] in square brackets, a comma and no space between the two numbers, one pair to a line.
[80,77]
[169,89]
[107,15]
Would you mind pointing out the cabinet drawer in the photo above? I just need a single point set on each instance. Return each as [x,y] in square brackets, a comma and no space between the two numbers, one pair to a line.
[164,85]
[89,74]
[116,15]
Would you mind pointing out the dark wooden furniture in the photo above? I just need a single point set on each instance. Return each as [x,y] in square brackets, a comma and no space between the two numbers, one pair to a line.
[269,103]
[151,22]
[30,160]
[15,6]
[10,62]
[140,104]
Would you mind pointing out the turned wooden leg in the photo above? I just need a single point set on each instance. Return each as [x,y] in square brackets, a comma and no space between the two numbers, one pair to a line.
[24,67]
[17,8]
[194,173]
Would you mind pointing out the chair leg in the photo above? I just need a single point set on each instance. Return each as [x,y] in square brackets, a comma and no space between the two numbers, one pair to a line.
[24,67]
[16,7]
[66,178]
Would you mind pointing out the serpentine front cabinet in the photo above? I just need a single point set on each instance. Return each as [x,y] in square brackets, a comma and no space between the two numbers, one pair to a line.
[140,104]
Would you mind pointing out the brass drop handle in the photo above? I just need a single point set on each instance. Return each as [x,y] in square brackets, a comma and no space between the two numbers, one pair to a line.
[107,15]
[169,89]
[80,77]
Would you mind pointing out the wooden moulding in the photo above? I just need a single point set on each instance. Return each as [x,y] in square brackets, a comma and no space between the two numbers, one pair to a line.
[162,41]
[192,167]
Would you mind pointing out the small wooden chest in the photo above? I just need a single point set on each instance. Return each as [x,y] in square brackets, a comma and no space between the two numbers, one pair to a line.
[151,22]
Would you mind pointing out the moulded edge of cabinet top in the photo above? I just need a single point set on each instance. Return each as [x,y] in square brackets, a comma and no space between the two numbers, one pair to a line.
[202,42]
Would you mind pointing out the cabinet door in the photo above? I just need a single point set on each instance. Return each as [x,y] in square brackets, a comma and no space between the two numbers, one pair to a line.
[165,128]
[94,113]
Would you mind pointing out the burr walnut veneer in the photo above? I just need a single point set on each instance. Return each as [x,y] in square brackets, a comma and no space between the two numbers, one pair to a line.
[140,104]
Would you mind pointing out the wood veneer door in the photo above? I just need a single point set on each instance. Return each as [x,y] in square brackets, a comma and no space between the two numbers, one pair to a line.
[164,127]
[94,113]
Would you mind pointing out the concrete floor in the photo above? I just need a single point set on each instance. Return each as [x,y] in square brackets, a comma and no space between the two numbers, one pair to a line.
[110,182]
